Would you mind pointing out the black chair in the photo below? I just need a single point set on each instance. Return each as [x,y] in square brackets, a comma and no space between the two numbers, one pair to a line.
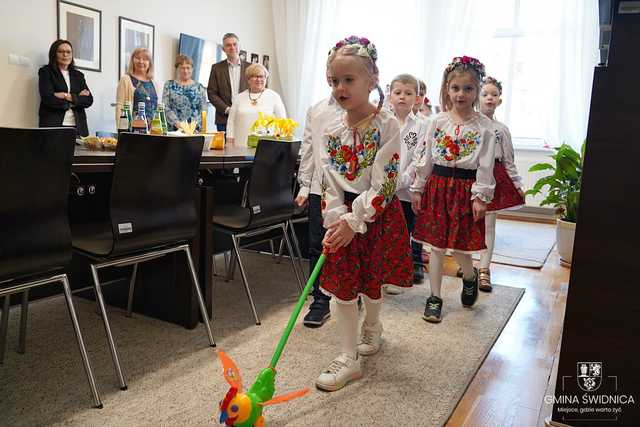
[269,205]
[35,242]
[152,213]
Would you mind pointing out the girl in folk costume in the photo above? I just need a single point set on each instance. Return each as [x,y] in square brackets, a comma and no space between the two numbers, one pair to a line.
[457,167]
[366,239]
[508,192]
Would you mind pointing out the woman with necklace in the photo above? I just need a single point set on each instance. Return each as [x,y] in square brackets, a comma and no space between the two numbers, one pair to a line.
[184,99]
[256,99]
[137,85]
[64,94]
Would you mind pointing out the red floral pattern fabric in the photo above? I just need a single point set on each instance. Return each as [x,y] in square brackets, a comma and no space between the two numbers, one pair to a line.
[446,218]
[506,194]
[381,255]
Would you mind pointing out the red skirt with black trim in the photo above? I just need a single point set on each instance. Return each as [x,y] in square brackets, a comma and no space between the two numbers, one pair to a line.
[446,218]
[506,194]
[381,255]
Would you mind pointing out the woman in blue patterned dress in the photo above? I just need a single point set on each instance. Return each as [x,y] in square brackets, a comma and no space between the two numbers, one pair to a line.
[184,99]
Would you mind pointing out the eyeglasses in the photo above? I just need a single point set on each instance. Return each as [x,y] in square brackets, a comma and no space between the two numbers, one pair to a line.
[259,77]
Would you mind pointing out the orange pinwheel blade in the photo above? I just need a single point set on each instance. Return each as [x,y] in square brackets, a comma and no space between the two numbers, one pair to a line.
[230,371]
[285,397]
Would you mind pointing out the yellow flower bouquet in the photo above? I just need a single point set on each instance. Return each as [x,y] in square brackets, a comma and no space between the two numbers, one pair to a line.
[270,127]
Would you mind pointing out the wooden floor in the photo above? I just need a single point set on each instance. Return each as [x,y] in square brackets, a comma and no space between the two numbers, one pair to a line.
[509,388]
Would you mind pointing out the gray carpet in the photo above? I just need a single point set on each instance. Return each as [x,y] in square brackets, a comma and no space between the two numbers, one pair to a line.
[523,244]
[175,378]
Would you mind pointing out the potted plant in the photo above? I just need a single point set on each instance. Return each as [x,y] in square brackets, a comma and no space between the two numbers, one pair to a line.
[564,194]
[270,127]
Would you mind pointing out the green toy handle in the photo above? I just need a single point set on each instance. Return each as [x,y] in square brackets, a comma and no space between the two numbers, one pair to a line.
[296,311]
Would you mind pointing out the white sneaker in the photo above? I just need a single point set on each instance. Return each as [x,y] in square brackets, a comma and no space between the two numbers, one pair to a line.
[341,371]
[371,339]
[392,290]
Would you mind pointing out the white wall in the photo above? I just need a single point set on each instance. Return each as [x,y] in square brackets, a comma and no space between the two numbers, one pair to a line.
[28,27]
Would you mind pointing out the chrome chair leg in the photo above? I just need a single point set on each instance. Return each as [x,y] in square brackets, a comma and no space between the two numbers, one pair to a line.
[280,251]
[236,246]
[296,246]
[4,326]
[24,313]
[231,267]
[107,327]
[285,235]
[273,249]
[196,285]
[81,346]
[132,285]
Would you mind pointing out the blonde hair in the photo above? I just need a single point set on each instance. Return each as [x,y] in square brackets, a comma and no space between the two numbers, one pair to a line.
[255,70]
[183,59]
[448,75]
[144,51]
[406,79]
[368,64]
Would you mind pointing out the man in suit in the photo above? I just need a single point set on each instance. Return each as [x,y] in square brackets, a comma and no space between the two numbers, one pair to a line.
[226,80]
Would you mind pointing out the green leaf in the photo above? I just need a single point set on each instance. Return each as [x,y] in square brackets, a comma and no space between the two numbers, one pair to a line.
[541,166]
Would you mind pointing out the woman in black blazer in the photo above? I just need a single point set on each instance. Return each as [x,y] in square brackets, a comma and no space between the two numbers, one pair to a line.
[63,91]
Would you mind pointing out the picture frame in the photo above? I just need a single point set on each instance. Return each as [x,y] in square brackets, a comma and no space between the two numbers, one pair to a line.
[243,55]
[265,61]
[131,35]
[82,27]
[255,58]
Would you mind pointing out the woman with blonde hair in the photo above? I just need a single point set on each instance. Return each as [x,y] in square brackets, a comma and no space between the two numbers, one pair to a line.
[256,99]
[137,84]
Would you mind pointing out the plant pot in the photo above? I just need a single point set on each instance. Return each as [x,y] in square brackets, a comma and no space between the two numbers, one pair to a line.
[565,233]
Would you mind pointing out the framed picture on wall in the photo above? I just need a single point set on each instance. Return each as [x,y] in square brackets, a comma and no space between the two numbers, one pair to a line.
[82,26]
[132,35]
[255,58]
[243,55]
[265,61]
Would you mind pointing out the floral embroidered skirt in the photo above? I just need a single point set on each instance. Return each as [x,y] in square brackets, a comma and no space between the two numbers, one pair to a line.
[506,194]
[381,255]
[446,218]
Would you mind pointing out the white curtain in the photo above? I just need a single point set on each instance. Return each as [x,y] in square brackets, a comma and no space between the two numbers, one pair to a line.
[543,51]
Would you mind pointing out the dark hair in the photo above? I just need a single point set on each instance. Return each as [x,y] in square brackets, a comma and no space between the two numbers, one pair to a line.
[53,61]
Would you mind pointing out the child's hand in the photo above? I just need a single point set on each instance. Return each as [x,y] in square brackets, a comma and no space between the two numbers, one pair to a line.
[479,209]
[300,201]
[338,234]
[416,202]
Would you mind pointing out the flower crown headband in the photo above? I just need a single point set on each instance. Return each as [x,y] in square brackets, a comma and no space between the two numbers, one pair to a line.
[492,81]
[365,47]
[460,61]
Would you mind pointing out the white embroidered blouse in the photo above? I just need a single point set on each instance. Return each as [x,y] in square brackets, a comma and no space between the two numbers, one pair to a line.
[505,153]
[468,145]
[313,151]
[363,161]
[412,138]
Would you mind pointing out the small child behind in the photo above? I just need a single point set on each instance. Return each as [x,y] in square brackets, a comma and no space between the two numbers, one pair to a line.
[413,131]
[508,192]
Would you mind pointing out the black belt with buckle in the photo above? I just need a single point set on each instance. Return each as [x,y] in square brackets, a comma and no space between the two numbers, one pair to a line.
[448,172]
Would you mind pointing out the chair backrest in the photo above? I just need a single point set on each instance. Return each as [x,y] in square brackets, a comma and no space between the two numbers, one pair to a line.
[270,191]
[152,192]
[35,171]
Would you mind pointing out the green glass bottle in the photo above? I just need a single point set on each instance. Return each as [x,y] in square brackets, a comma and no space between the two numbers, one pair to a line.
[163,118]
[156,124]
